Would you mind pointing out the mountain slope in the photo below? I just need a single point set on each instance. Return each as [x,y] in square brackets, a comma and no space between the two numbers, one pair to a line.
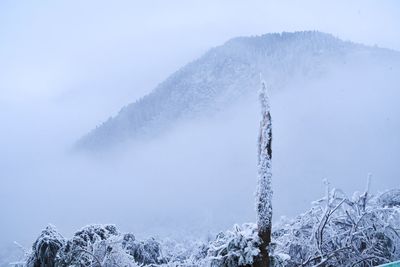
[224,75]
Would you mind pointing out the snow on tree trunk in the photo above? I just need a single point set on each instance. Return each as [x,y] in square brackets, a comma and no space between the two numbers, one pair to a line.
[264,190]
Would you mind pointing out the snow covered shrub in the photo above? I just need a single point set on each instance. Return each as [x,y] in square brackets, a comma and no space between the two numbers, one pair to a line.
[234,248]
[341,231]
[363,230]
[81,249]
[145,252]
[390,198]
[45,248]
[110,252]
[185,254]
[94,246]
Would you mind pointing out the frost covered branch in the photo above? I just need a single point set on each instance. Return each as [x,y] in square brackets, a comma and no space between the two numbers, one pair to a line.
[357,231]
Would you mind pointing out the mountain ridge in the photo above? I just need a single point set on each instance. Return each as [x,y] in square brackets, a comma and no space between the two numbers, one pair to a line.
[221,76]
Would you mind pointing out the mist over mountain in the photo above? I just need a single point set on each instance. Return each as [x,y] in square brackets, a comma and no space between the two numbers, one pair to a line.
[335,115]
[199,133]
[185,165]
[228,74]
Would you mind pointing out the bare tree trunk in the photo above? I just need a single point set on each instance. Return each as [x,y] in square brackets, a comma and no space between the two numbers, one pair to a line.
[264,190]
[263,260]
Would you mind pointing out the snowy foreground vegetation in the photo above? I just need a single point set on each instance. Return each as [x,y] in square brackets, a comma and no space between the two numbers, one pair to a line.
[362,230]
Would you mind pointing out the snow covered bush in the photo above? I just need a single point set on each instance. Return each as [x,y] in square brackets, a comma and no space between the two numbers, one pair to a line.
[362,230]
[233,248]
[341,231]
[145,252]
[389,199]
[94,246]
[45,248]
[81,250]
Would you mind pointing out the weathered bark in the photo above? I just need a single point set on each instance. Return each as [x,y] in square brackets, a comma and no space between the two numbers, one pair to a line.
[263,260]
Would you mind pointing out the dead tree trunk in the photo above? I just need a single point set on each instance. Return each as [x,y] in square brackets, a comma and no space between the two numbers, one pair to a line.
[264,190]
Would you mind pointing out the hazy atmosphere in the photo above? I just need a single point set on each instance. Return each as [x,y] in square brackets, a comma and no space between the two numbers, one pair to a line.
[69,156]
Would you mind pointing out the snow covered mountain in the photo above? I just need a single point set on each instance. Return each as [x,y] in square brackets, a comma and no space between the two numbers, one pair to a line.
[226,74]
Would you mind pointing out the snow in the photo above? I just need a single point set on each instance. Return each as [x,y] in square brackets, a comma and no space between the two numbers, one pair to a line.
[218,79]
[341,231]
[264,188]
[336,231]
[235,248]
